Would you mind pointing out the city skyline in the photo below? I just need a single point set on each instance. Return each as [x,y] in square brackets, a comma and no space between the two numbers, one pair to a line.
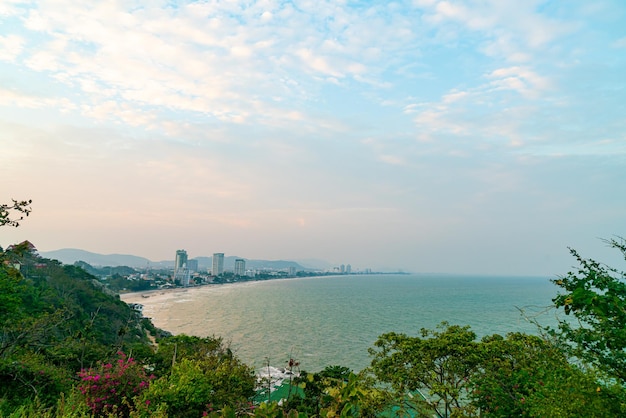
[455,136]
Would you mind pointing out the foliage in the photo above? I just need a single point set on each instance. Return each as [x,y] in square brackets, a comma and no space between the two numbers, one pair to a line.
[113,387]
[29,377]
[209,378]
[197,386]
[56,320]
[60,332]
[8,212]
[529,375]
[433,370]
[337,391]
[174,348]
[12,293]
[595,295]
[315,389]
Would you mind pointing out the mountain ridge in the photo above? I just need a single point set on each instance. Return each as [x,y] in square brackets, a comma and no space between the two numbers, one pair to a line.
[72,255]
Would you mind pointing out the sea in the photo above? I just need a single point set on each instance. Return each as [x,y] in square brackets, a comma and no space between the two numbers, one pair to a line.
[333,320]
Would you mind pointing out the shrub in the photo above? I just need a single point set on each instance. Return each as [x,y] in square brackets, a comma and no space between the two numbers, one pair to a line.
[112,387]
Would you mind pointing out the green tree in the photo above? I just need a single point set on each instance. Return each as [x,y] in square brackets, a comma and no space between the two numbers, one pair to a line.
[527,375]
[173,349]
[195,386]
[315,394]
[429,373]
[595,295]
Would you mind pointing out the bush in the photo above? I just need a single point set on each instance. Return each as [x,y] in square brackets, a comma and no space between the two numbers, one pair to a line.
[113,387]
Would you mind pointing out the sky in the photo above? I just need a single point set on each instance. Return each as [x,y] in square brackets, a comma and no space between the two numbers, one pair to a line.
[459,136]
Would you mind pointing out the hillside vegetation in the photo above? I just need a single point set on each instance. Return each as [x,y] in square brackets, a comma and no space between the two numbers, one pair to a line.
[71,348]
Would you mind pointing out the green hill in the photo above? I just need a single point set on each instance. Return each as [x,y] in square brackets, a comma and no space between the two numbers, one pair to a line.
[54,321]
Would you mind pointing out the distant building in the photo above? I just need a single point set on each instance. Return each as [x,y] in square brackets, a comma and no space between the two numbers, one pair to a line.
[181,272]
[240,267]
[348,269]
[292,270]
[218,264]
[192,265]
[183,276]
[342,269]
[181,260]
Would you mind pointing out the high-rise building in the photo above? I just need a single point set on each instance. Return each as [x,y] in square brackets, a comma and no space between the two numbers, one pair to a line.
[218,264]
[192,264]
[240,267]
[181,272]
[181,260]
[348,269]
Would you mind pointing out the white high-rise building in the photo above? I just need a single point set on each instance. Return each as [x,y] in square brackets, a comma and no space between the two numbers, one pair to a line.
[218,264]
[240,267]
[181,272]
[181,260]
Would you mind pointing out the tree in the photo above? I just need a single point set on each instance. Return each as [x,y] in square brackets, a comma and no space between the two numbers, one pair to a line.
[173,349]
[315,389]
[595,295]
[528,375]
[17,207]
[433,370]
[201,385]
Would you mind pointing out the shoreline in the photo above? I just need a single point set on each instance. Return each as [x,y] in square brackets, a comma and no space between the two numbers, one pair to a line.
[152,292]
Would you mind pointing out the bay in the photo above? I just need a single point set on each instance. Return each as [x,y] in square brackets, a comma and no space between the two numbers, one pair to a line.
[333,320]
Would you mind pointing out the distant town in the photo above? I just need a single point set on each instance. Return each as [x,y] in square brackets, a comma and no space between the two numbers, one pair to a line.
[188,272]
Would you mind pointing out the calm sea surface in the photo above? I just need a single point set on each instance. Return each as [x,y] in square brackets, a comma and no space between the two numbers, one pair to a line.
[334,320]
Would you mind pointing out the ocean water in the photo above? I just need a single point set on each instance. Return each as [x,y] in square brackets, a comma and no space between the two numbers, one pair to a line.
[324,321]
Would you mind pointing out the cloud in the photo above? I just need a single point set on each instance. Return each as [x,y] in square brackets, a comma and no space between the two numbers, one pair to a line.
[512,30]
[520,79]
[211,59]
[620,43]
[392,159]
[23,100]
[10,47]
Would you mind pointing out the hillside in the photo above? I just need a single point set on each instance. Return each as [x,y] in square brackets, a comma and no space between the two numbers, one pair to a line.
[56,320]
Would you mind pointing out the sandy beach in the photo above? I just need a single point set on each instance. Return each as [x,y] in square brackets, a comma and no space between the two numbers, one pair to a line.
[176,310]
[158,304]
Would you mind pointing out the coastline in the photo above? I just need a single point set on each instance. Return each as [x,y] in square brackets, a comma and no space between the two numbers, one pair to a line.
[163,294]
[136,297]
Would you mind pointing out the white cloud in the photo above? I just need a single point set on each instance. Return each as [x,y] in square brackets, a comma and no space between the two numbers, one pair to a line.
[523,80]
[220,60]
[27,101]
[620,43]
[10,47]
[511,29]
[10,8]
[454,96]
[485,111]
[392,159]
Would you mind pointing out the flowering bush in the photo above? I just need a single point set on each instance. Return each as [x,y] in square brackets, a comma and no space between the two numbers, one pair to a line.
[112,387]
